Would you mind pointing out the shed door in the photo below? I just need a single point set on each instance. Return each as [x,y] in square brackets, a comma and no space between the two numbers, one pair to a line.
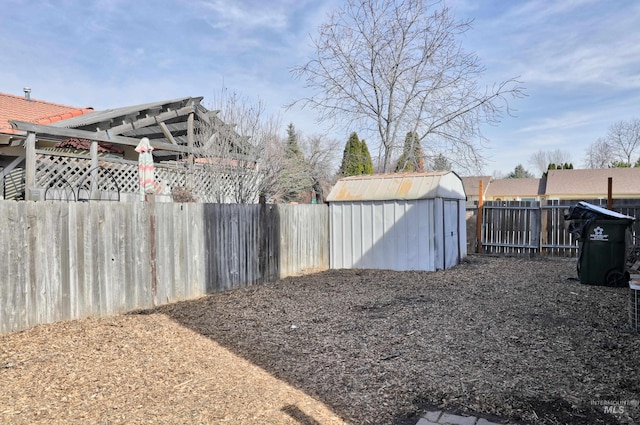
[451,219]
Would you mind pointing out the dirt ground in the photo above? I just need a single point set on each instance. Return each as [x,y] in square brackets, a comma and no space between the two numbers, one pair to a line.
[508,339]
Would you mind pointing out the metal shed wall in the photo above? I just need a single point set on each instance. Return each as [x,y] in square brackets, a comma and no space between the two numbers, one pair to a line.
[425,234]
[407,221]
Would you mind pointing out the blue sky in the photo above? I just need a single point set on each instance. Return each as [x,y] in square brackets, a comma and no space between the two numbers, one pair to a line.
[578,59]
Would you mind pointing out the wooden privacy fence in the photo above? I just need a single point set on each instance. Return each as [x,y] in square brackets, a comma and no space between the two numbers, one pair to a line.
[537,228]
[66,260]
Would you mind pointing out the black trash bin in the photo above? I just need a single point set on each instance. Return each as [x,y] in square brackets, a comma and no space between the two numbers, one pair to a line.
[604,238]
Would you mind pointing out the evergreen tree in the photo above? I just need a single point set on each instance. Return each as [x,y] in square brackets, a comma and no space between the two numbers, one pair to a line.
[552,166]
[519,173]
[296,177]
[620,164]
[352,164]
[441,163]
[292,149]
[367,164]
[412,158]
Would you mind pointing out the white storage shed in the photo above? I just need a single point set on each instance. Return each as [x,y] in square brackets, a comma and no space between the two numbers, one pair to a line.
[411,221]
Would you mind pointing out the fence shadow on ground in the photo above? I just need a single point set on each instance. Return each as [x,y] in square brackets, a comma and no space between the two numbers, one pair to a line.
[377,346]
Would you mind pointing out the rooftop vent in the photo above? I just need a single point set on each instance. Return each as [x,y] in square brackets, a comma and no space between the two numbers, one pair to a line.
[27,93]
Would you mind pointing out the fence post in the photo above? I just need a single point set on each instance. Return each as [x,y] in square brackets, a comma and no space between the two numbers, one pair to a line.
[479,217]
[610,193]
[544,223]
[151,203]
[537,223]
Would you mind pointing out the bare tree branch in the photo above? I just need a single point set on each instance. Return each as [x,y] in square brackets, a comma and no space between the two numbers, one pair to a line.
[623,139]
[599,154]
[394,66]
[542,158]
[240,149]
[321,154]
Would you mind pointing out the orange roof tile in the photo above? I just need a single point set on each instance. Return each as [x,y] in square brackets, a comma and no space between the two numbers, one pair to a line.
[32,110]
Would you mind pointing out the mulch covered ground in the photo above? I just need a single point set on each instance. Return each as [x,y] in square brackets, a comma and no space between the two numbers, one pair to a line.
[504,338]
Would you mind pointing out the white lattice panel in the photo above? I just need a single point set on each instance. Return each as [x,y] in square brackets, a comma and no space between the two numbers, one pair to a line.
[74,173]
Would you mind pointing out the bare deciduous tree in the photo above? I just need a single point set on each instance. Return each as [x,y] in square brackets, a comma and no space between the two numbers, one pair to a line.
[542,158]
[394,66]
[240,149]
[321,154]
[620,146]
[623,138]
[598,155]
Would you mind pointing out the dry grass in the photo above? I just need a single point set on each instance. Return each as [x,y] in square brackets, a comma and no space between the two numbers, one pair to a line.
[500,337]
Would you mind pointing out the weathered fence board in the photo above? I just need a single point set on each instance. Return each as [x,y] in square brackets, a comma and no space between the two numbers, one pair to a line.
[306,233]
[532,228]
[511,227]
[66,260]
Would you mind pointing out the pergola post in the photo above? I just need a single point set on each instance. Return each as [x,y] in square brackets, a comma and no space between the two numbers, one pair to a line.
[190,139]
[95,175]
[30,165]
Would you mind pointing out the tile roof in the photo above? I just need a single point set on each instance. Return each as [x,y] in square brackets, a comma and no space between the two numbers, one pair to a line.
[32,110]
[516,187]
[593,182]
[84,144]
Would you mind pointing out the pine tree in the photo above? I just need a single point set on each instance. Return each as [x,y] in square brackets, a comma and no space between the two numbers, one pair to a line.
[352,164]
[367,164]
[441,163]
[412,158]
[296,177]
[519,173]
[292,149]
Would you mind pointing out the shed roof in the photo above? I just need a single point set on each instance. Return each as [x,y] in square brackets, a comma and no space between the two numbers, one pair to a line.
[405,186]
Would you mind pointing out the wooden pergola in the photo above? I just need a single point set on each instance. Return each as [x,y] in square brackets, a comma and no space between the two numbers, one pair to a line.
[171,126]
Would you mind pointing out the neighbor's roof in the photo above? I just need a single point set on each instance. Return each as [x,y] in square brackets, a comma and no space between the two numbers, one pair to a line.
[516,187]
[472,184]
[405,186]
[593,182]
[35,111]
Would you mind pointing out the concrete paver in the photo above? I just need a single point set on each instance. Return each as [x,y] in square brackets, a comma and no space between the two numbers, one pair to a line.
[483,421]
[450,419]
[437,417]
[432,416]
[423,421]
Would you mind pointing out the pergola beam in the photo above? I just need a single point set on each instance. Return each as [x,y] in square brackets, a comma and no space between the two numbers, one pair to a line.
[71,133]
[167,133]
[154,120]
